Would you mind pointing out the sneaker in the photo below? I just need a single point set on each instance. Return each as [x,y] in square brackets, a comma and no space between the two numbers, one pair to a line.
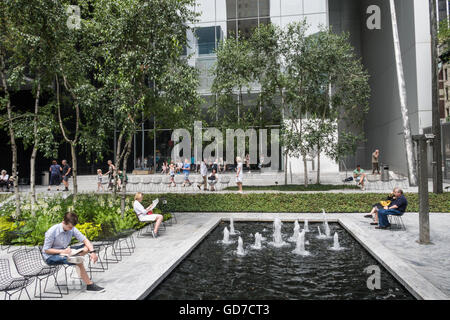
[94,288]
[368,216]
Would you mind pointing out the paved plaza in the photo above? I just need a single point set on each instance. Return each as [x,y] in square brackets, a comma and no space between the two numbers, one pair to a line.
[427,266]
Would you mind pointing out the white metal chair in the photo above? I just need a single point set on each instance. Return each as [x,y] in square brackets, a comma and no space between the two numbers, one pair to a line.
[133,183]
[166,182]
[224,181]
[156,181]
[179,179]
[146,183]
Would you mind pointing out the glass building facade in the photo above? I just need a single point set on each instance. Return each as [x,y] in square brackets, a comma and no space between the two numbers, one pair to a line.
[227,18]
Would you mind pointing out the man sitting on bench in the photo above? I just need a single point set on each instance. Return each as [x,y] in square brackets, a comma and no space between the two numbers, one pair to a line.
[145,214]
[396,207]
[359,175]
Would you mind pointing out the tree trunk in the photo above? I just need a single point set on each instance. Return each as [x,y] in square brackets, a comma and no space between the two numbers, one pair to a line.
[124,172]
[305,168]
[436,122]
[73,142]
[318,164]
[34,152]
[74,171]
[403,100]
[12,140]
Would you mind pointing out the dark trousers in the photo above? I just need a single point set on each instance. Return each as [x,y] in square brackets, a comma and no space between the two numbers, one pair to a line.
[383,216]
[376,167]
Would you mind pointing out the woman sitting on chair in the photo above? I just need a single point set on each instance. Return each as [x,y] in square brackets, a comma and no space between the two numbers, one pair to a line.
[145,214]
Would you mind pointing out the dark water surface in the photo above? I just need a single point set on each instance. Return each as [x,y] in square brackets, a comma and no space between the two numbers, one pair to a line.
[214,271]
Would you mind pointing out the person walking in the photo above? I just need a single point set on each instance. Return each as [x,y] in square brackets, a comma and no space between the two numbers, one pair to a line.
[239,174]
[111,175]
[186,170]
[66,174]
[172,174]
[55,175]
[99,180]
[375,164]
[203,173]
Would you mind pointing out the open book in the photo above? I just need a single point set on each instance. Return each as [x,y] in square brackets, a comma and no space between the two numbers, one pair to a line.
[73,252]
[154,204]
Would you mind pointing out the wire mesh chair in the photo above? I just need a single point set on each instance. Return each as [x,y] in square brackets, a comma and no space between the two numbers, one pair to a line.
[29,264]
[9,283]
[396,222]
[142,232]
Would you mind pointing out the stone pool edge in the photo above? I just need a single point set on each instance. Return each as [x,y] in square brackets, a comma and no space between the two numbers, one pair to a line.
[414,283]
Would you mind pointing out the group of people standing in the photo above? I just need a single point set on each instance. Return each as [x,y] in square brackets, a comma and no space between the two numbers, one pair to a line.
[59,173]
[212,179]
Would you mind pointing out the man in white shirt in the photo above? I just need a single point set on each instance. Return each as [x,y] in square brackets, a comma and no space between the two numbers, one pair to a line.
[204,173]
[145,215]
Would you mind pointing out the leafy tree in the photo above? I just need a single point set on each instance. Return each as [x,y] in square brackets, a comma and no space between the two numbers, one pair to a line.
[33,30]
[444,40]
[139,66]
[232,74]
[10,78]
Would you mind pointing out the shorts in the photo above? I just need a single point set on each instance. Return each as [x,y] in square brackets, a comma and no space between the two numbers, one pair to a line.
[57,259]
[55,180]
[149,217]
[186,176]
[238,179]
[66,178]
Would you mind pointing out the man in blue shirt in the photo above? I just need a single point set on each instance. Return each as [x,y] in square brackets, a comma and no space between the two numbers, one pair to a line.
[55,175]
[56,248]
[186,170]
[396,207]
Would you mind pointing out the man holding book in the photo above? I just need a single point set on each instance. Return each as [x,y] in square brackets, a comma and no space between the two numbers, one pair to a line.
[56,248]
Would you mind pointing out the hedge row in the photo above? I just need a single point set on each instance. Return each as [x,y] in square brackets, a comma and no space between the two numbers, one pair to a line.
[296,187]
[284,202]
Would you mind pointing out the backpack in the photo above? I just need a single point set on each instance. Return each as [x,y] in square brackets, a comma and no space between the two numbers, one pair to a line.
[348,179]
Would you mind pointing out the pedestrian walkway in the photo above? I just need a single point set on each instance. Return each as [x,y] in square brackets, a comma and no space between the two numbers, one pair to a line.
[144,183]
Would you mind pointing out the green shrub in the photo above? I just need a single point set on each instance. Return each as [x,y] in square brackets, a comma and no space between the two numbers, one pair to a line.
[289,202]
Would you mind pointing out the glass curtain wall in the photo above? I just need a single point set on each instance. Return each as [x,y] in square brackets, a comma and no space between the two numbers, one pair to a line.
[228,18]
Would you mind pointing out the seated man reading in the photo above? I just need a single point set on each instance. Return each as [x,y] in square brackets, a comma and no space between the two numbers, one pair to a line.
[145,214]
[396,207]
[359,175]
[56,248]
